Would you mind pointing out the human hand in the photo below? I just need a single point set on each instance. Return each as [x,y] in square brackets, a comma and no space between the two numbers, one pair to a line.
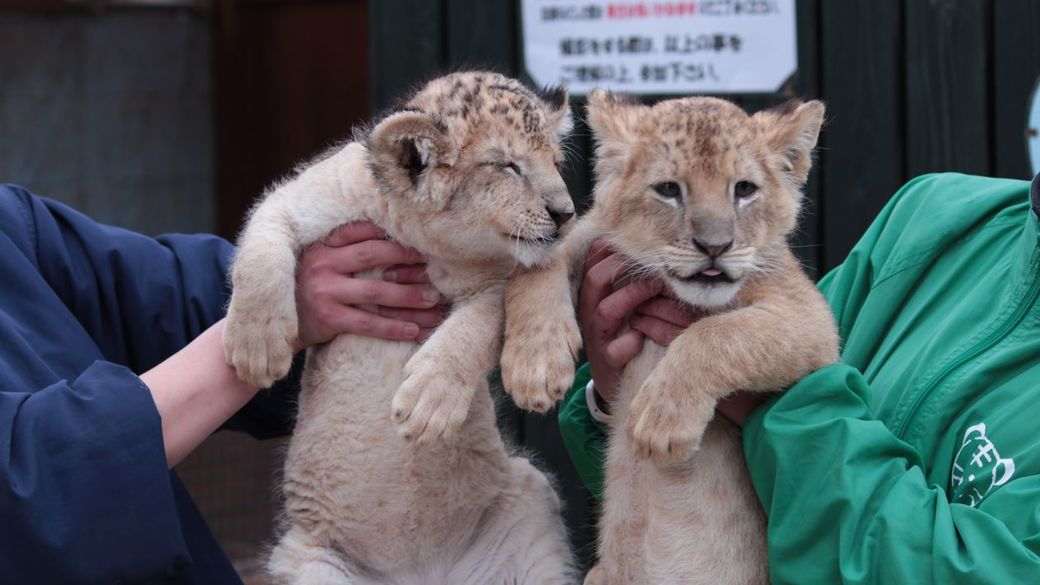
[650,312]
[738,406]
[615,323]
[330,300]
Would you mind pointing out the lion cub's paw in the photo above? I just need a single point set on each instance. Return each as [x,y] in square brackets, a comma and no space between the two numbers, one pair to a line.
[430,404]
[258,346]
[667,421]
[538,361]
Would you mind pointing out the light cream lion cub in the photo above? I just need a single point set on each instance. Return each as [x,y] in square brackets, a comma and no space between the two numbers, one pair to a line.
[396,472]
[701,195]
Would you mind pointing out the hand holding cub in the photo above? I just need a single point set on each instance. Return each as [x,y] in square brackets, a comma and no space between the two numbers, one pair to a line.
[615,324]
[329,300]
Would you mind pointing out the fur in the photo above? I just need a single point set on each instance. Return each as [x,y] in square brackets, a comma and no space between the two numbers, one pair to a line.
[396,472]
[679,507]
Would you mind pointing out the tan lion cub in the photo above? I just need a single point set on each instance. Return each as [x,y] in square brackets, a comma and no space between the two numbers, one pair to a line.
[695,192]
[396,473]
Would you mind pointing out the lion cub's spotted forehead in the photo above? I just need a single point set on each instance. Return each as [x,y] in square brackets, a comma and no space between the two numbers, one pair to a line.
[708,130]
[489,105]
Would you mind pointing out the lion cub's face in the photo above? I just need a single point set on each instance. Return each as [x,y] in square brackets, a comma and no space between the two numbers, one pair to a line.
[475,158]
[697,192]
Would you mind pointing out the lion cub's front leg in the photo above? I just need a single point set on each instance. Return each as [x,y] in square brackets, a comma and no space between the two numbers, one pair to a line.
[542,337]
[440,379]
[764,347]
[262,324]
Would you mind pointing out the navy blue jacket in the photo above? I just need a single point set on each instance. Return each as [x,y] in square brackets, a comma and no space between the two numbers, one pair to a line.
[85,495]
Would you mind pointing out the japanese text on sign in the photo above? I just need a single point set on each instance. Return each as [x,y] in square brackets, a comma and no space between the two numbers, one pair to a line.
[705,46]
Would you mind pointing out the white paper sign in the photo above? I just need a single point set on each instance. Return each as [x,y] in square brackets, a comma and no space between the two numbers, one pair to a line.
[661,47]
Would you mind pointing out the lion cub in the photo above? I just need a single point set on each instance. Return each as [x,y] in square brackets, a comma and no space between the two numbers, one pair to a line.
[701,195]
[396,472]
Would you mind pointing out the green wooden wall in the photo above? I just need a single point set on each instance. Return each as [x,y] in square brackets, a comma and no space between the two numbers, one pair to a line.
[911,86]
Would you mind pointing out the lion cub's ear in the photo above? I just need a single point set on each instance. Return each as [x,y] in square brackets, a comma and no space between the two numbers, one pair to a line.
[613,120]
[613,117]
[407,143]
[791,130]
[558,113]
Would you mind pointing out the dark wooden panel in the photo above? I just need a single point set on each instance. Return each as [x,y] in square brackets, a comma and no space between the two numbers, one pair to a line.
[408,46]
[806,85]
[1016,66]
[36,5]
[292,80]
[482,35]
[862,156]
[580,158]
[946,86]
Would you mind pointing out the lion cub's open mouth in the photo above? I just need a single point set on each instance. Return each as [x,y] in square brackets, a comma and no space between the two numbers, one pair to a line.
[708,276]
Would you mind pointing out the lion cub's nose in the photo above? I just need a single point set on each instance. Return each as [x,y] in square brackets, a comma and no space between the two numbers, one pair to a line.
[559,216]
[713,250]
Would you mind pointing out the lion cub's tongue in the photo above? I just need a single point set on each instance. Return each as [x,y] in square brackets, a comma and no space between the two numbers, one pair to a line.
[711,272]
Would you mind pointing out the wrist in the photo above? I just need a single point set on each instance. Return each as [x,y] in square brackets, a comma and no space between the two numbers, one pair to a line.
[195,391]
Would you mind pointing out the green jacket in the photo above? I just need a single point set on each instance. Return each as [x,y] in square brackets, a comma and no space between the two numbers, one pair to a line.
[917,459]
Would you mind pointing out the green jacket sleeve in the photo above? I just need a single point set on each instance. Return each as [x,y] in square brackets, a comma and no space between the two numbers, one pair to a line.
[584,438]
[848,502]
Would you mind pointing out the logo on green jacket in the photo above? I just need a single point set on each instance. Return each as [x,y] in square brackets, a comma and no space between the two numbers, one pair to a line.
[978,468]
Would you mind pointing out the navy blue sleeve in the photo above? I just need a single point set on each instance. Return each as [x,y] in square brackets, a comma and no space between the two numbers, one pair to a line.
[85,495]
[142,299]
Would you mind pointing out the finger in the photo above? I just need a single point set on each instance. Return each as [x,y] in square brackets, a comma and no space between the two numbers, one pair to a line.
[619,304]
[660,331]
[407,274]
[354,320]
[597,283]
[425,334]
[624,347]
[359,291]
[371,254]
[599,250]
[424,318]
[352,233]
[667,309]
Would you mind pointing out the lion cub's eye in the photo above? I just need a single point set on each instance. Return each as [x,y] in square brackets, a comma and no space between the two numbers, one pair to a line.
[512,167]
[744,189]
[668,189]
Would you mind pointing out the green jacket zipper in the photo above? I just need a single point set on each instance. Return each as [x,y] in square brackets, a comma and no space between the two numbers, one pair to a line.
[978,349]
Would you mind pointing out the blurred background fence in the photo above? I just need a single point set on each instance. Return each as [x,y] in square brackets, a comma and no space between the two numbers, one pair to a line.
[172,115]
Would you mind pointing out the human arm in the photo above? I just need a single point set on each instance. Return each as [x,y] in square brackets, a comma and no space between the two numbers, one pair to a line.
[848,501]
[85,492]
[195,391]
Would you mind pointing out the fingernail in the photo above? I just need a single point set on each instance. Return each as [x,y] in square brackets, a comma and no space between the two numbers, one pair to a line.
[390,276]
[411,329]
[431,296]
